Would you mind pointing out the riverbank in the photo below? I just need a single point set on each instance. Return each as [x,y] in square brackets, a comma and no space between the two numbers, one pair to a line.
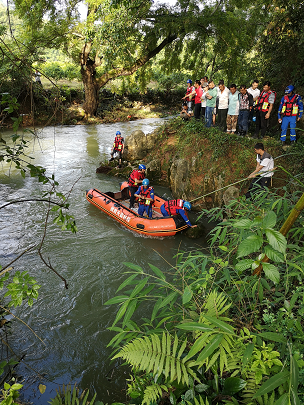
[193,160]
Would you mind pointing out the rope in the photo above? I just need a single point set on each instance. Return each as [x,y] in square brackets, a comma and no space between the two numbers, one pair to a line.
[232,184]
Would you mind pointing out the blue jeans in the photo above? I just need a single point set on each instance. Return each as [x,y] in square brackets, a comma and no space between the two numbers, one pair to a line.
[243,120]
[142,208]
[208,116]
[291,121]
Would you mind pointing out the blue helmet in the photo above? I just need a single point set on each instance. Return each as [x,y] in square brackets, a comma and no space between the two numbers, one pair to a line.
[118,133]
[141,167]
[145,182]
[187,205]
[289,89]
[189,81]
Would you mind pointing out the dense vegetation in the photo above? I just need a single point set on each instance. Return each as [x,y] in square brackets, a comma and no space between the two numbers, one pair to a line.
[226,326]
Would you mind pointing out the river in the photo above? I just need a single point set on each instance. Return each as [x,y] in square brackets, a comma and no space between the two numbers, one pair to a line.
[73,322]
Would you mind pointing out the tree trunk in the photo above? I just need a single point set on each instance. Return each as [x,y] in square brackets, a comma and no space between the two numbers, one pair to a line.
[91,89]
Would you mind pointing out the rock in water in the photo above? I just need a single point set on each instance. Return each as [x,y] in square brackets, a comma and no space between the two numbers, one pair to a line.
[195,233]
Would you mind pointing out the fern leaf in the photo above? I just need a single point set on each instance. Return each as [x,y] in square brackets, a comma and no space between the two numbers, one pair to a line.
[175,345]
[178,371]
[182,348]
[152,393]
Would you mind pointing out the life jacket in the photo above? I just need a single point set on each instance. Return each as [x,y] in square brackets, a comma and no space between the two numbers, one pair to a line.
[118,143]
[189,91]
[290,107]
[146,192]
[132,181]
[172,205]
[263,103]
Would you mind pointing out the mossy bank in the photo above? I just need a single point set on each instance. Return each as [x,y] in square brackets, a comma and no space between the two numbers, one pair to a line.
[193,160]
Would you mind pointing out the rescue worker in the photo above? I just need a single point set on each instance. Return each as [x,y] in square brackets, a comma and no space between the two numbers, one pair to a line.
[118,147]
[175,207]
[145,195]
[188,98]
[264,107]
[290,111]
[134,181]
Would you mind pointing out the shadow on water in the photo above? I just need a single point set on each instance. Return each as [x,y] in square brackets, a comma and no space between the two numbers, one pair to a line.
[73,323]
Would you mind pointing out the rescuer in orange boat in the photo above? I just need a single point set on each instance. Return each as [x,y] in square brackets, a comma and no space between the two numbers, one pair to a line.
[175,207]
[145,195]
[135,180]
[118,147]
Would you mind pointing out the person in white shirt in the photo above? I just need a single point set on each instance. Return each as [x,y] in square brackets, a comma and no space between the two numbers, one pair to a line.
[222,108]
[255,92]
[265,164]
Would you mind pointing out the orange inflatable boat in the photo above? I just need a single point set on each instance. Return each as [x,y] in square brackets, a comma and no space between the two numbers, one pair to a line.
[116,205]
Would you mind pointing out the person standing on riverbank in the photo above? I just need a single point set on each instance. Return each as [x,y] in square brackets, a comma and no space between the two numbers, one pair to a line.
[222,109]
[134,181]
[210,95]
[118,148]
[145,195]
[264,107]
[290,111]
[265,164]
[188,98]
[233,109]
[177,207]
[246,105]
[255,92]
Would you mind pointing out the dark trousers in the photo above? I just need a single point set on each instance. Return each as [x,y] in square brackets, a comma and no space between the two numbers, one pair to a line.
[203,109]
[261,123]
[132,198]
[222,118]
[197,110]
[243,120]
[257,184]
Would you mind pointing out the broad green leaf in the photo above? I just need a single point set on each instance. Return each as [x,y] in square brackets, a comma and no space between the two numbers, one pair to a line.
[243,264]
[121,312]
[195,326]
[201,387]
[168,299]
[271,272]
[220,324]
[158,272]
[275,337]
[274,255]
[209,349]
[232,385]
[134,267]
[294,373]
[249,245]
[294,399]
[139,287]
[198,345]
[116,300]
[126,282]
[243,223]
[276,240]
[187,295]
[248,353]
[283,400]
[271,384]
[130,311]
[269,220]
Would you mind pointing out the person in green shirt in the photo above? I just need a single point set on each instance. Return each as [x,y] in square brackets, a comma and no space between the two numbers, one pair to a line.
[210,102]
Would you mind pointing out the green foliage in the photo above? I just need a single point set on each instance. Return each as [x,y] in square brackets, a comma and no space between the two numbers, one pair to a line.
[213,323]
[10,393]
[68,396]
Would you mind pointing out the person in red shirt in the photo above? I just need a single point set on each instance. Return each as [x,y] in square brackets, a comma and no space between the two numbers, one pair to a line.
[135,180]
[198,99]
